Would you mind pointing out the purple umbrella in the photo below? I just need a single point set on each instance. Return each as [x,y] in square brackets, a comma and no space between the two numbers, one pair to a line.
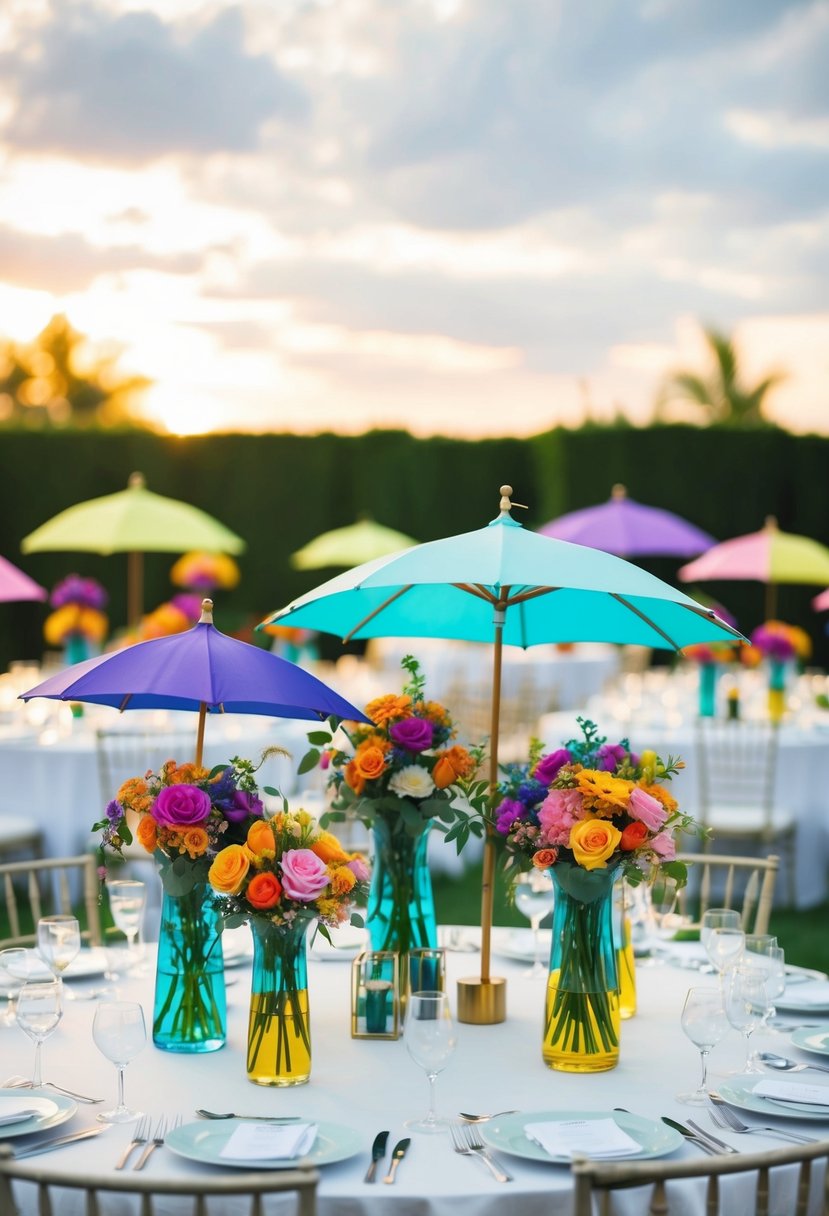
[15,585]
[630,529]
[201,669]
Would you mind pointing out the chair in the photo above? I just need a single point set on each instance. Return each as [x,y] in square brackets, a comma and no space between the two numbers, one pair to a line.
[737,764]
[131,753]
[598,1180]
[48,885]
[731,881]
[254,1186]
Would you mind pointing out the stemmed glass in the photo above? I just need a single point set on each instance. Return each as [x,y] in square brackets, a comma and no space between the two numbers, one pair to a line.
[39,1009]
[15,963]
[58,941]
[717,918]
[704,1022]
[126,903]
[746,1005]
[534,895]
[430,1040]
[665,913]
[764,955]
[119,1033]
[724,948]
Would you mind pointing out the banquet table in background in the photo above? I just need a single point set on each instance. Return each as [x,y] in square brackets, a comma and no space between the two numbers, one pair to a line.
[372,1085]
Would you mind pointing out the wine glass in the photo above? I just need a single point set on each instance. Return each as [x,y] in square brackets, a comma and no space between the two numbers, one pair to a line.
[534,894]
[39,1009]
[704,1022]
[430,1040]
[746,1005]
[717,918]
[58,941]
[16,965]
[666,916]
[119,1033]
[126,903]
[724,948]
[765,956]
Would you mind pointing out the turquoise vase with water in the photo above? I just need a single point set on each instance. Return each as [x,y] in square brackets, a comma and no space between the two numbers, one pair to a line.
[190,1009]
[401,907]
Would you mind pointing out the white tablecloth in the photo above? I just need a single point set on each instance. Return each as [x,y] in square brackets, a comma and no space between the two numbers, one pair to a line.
[371,1086]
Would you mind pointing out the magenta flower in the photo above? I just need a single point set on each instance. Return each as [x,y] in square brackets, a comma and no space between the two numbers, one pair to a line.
[413,734]
[181,806]
[647,809]
[304,875]
[548,766]
[243,805]
[609,757]
[508,810]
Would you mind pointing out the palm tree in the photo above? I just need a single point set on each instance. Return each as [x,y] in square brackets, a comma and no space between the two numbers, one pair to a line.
[721,395]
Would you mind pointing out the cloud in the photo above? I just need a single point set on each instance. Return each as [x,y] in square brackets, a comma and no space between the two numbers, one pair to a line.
[131,88]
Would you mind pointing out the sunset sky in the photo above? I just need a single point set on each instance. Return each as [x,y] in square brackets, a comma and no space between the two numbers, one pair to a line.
[467,216]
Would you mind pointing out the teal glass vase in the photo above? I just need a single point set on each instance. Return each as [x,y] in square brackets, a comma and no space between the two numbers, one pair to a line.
[279,1030]
[401,907]
[707,690]
[190,1009]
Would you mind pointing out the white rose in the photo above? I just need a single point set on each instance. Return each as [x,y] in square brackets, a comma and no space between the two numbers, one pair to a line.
[412,782]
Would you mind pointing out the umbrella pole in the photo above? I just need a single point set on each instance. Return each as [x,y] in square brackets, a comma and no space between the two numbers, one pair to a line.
[771,601]
[200,734]
[483,1001]
[135,588]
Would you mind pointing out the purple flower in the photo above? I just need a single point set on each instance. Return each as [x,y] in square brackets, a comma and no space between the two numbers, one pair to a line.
[76,590]
[548,766]
[241,806]
[508,811]
[114,812]
[415,734]
[181,806]
[609,757]
[531,792]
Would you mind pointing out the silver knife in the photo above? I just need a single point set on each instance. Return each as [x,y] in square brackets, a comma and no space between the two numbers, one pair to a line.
[715,1140]
[378,1152]
[690,1136]
[48,1145]
[396,1157]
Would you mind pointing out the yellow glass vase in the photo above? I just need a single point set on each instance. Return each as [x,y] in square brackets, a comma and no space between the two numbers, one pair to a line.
[279,1029]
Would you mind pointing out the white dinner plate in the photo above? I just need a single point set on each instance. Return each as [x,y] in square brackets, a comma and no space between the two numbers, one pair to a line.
[518,944]
[204,1142]
[812,1038]
[811,996]
[507,1133]
[346,943]
[52,1111]
[738,1091]
[85,965]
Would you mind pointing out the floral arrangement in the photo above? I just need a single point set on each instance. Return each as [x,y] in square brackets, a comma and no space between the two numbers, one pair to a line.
[709,653]
[777,640]
[78,604]
[205,572]
[595,805]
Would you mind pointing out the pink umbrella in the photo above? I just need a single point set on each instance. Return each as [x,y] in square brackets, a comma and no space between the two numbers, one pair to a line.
[629,529]
[15,585]
[821,602]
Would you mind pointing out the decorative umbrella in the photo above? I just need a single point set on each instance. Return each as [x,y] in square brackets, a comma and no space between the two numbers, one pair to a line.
[630,529]
[133,521]
[503,584]
[769,556]
[201,669]
[821,602]
[15,585]
[359,542]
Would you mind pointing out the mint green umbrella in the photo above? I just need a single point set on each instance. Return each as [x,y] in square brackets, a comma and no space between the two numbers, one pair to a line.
[359,542]
[504,584]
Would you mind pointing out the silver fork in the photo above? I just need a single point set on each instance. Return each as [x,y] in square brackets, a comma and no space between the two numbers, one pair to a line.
[476,1146]
[162,1130]
[142,1131]
[724,1116]
[460,1146]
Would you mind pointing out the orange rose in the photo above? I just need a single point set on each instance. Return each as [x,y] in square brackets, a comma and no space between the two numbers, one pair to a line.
[369,762]
[264,891]
[593,841]
[452,764]
[229,870]
[329,849]
[342,880]
[260,839]
[633,836]
[194,841]
[147,833]
[544,858]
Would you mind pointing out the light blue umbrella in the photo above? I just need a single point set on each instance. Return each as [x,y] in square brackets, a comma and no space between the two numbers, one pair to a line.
[504,584]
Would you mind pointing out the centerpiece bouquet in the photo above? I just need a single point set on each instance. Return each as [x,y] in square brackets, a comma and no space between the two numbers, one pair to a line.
[78,621]
[589,812]
[401,776]
[780,645]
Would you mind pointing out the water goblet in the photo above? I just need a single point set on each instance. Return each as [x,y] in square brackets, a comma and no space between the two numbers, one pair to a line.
[746,1004]
[724,948]
[770,961]
[15,966]
[666,915]
[119,1033]
[58,941]
[126,903]
[534,895]
[704,1022]
[39,1009]
[430,1040]
[717,918]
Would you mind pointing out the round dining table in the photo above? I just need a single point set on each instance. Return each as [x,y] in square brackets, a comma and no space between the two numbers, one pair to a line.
[364,1086]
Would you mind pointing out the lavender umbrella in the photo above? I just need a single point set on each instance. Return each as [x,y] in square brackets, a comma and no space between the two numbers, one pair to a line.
[630,529]
[15,585]
[201,669]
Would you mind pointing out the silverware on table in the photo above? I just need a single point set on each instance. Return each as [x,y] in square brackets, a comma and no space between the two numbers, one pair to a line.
[378,1152]
[483,1118]
[397,1156]
[142,1131]
[24,1083]
[725,1117]
[691,1137]
[214,1114]
[162,1130]
[715,1140]
[46,1146]
[475,1145]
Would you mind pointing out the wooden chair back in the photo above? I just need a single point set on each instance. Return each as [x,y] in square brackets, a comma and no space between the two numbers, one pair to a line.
[49,885]
[743,883]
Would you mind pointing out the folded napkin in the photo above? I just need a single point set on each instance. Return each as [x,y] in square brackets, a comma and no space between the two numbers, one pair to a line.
[15,1110]
[583,1137]
[814,993]
[269,1142]
[793,1091]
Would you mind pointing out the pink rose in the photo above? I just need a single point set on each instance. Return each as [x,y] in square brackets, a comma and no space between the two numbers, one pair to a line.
[359,869]
[304,875]
[181,806]
[664,846]
[557,814]
[647,809]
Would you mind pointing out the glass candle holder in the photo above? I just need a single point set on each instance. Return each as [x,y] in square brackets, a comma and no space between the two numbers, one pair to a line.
[427,969]
[375,1001]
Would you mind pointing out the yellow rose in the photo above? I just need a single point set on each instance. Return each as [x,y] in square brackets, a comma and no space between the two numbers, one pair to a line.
[593,841]
[260,839]
[229,870]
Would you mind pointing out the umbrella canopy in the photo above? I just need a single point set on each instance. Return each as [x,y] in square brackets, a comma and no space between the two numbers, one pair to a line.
[821,602]
[630,529]
[359,542]
[201,669]
[768,556]
[133,521]
[15,585]
[503,584]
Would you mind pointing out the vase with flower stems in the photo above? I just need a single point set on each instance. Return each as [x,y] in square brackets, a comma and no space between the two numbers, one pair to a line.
[189,1007]
[279,1028]
[400,914]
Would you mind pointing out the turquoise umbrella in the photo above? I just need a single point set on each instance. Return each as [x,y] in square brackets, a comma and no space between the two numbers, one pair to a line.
[503,584]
